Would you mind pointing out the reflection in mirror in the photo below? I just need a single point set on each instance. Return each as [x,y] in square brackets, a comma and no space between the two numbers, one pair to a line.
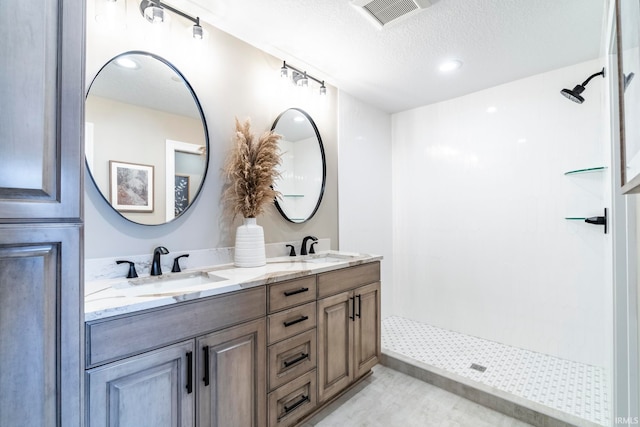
[629,27]
[303,167]
[146,139]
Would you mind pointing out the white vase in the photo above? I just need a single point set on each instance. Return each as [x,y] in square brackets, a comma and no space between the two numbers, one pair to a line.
[249,250]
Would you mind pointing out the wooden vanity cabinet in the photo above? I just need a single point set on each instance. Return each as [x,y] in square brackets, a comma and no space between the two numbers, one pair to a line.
[266,356]
[214,377]
[348,327]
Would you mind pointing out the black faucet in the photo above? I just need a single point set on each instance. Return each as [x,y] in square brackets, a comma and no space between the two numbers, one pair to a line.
[303,249]
[292,252]
[156,270]
[132,274]
[176,263]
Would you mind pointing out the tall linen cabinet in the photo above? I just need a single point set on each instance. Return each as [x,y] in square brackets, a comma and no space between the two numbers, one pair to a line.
[41,190]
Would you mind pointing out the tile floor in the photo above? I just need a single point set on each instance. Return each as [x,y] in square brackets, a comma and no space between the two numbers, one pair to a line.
[571,387]
[392,399]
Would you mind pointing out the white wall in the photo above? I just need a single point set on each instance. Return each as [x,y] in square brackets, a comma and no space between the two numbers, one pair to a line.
[232,79]
[364,149]
[480,242]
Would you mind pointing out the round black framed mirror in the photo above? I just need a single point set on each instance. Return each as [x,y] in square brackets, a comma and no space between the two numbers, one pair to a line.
[303,169]
[146,138]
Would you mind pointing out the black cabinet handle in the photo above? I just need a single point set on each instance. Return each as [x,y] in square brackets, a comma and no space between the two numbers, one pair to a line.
[288,323]
[297,291]
[205,353]
[302,400]
[359,305]
[189,372]
[288,363]
[353,308]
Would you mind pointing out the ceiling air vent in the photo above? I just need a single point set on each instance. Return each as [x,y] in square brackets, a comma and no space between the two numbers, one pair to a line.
[385,12]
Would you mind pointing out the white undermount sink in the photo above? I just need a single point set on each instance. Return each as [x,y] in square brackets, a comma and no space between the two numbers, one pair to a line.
[166,284]
[329,258]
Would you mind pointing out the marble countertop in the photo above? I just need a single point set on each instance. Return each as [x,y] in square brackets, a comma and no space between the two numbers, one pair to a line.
[112,297]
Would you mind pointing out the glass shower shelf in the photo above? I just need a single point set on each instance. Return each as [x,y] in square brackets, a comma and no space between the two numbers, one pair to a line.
[586,170]
[575,218]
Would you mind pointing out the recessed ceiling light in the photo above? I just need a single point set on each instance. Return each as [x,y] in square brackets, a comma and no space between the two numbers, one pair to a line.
[491,110]
[450,65]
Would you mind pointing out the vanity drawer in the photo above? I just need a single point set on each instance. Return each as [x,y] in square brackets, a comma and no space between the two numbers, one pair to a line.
[334,282]
[294,292]
[288,323]
[292,357]
[112,339]
[292,401]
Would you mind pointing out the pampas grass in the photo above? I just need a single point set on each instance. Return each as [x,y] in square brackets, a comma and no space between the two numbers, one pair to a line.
[250,171]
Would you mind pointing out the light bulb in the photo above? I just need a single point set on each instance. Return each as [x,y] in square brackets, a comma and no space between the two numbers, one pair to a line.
[198,33]
[154,14]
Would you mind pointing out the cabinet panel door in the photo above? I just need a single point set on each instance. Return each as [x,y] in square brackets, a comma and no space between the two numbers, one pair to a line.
[232,377]
[335,337]
[366,345]
[41,88]
[39,326]
[149,390]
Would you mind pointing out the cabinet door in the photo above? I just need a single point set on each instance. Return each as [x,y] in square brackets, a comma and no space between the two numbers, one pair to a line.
[154,389]
[335,337]
[366,332]
[40,374]
[42,92]
[232,377]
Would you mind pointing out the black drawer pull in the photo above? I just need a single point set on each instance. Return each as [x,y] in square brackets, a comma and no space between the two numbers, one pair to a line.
[288,363]
[297,291]
[205,353]
[359,305]
[189,372]
[303,399]
[293,322]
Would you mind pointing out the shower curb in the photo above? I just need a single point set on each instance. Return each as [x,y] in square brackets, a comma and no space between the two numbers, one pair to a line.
[514,406]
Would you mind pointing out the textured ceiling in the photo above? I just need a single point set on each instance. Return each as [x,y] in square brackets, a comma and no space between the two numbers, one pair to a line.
[396,68]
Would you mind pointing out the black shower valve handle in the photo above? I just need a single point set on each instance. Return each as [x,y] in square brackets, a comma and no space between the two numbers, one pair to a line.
[132,273]
[176,263]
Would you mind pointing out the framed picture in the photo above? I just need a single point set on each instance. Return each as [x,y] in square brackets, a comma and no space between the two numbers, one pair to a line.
[628,39]
[182,193]
[131,186]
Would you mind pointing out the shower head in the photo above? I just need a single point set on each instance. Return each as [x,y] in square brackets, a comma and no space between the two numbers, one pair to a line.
[575,93]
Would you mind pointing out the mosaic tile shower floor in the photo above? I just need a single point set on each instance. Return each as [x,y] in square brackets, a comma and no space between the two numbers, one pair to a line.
[568,386]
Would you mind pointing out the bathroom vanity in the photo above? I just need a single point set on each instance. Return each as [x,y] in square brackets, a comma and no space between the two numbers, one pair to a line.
[265,346]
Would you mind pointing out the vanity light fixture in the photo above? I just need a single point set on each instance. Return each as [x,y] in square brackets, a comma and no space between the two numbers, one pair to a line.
[301,78]
[154,12]
[575,93]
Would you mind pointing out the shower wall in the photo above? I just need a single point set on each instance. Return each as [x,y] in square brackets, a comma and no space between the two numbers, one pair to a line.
[480,240]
